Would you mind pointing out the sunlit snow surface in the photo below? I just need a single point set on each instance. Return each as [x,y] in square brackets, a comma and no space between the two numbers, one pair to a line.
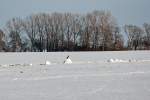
[91,76]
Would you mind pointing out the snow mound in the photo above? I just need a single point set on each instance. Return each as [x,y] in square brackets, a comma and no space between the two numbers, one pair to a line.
[116,60]
[47,63]
[4,65]
[30,64]
[68,60]
[27,64]
[11,64]
[110,60]
[132,60]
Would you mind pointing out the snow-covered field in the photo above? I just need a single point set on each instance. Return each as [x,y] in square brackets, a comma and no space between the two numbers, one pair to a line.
[92,76]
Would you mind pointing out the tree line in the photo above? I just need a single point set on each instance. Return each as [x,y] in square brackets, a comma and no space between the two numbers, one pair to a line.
[94,31]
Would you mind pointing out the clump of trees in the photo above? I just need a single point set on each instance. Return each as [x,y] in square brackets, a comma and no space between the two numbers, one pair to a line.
[138,38]
[97,30]
[2,42]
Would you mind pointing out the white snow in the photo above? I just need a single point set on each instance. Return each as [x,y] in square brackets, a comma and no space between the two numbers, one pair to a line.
[30,64]
[92,76]
[48,62]
[117,60]
[68,61]
[111,60]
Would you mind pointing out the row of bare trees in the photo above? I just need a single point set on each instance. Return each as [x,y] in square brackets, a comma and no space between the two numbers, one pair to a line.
[97,30]
[138,38]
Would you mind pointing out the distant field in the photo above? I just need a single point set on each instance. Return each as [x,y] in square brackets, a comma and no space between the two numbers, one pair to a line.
[89,77]
[77,57]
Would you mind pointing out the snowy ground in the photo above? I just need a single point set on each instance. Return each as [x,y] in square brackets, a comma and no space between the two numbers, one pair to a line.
[90,77]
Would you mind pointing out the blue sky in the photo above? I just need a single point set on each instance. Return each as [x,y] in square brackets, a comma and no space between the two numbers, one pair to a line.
[126,11]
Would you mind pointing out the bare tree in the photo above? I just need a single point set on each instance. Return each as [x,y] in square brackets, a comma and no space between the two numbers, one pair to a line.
[14,28]
[2,42]
[135,35]
[76,29]
[85,36]
[118,39]
[68,32]
[29,27]
[107,25]
[147,36]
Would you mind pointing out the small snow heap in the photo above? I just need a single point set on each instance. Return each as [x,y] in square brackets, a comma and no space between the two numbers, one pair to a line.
[48,62]
[30,64]
[68,60]
[115,60]
[111,60]
[132,60]
[5,65]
